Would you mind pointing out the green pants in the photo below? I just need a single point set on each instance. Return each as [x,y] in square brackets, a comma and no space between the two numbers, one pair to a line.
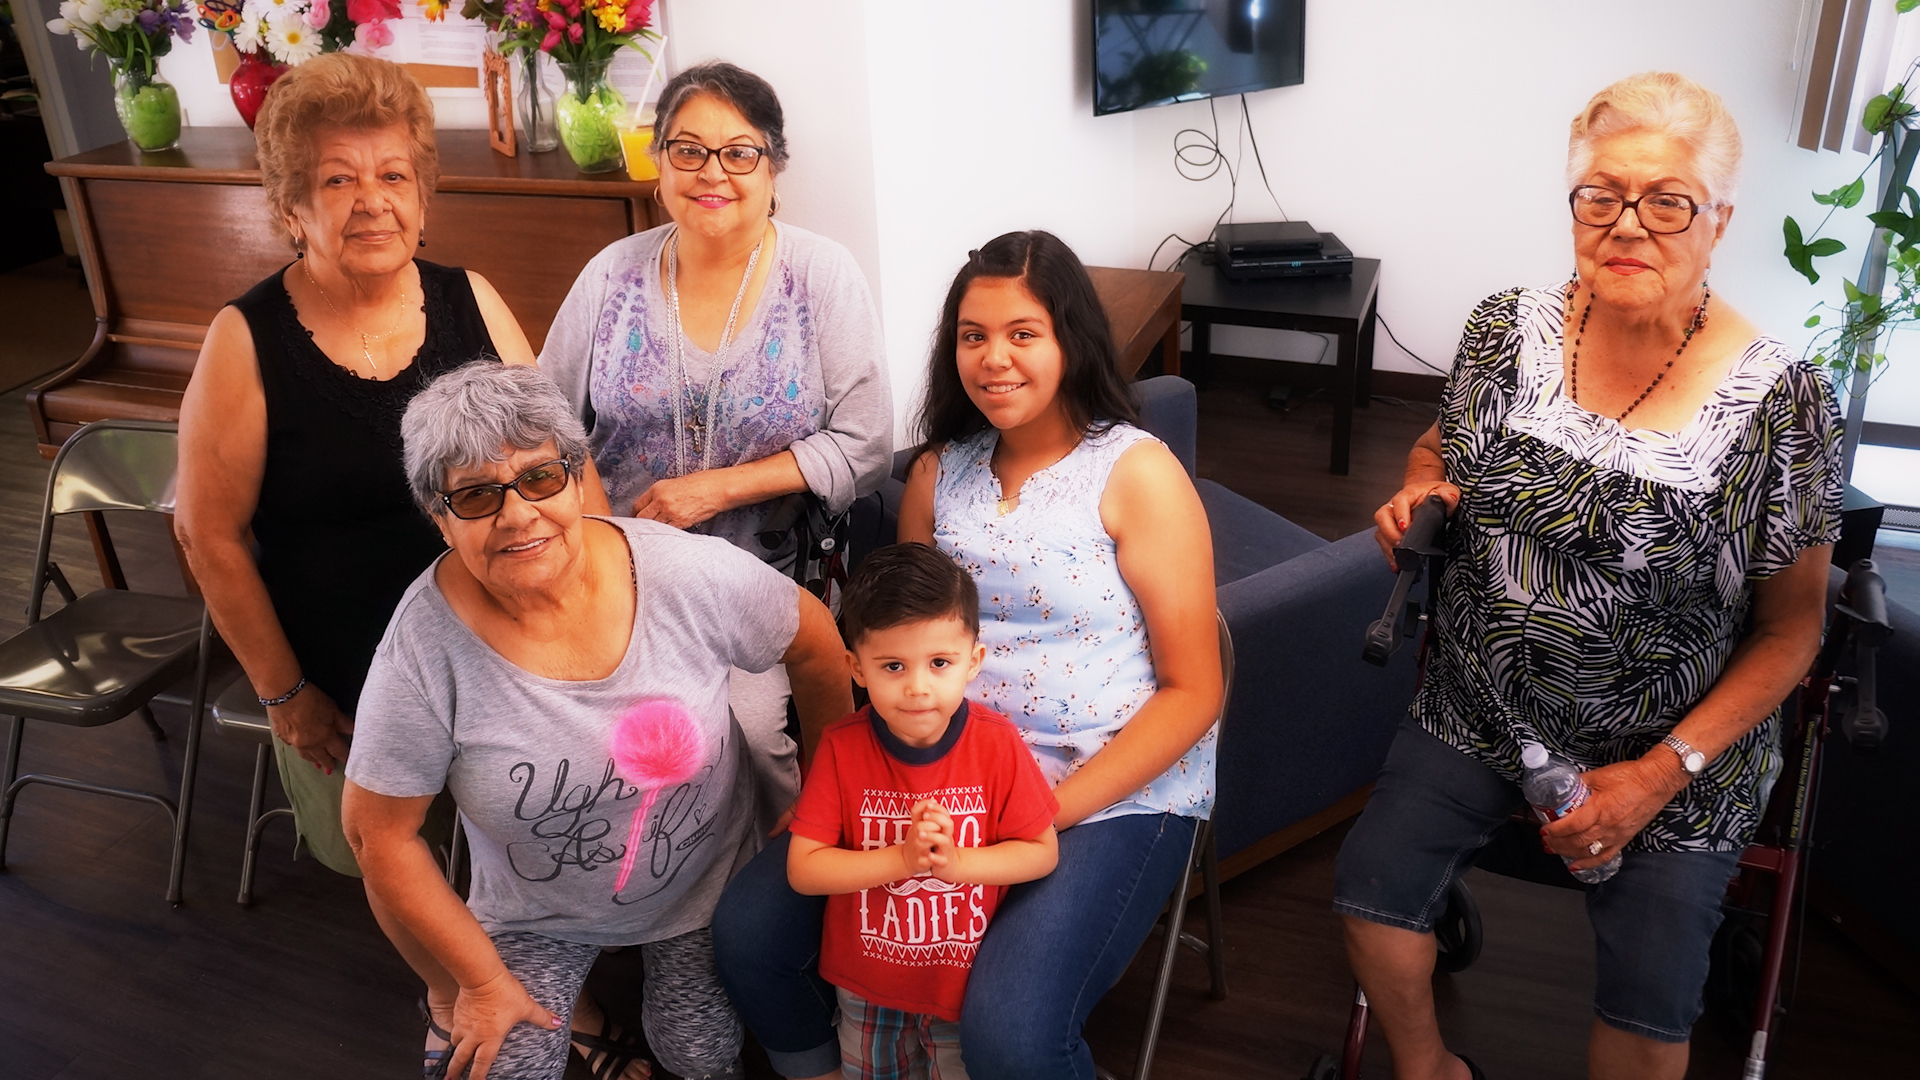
[315,797]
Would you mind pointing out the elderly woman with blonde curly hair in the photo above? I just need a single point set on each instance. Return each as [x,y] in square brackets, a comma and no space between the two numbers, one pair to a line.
[1648,492]
[294,508]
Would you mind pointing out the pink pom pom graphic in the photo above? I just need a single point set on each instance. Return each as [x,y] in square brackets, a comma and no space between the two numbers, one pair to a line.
[657,744]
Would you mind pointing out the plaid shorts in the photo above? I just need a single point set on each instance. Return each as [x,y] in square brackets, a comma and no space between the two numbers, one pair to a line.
[878,1043]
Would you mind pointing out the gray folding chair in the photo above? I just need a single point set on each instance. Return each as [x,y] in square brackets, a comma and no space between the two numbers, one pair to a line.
[237,711]
[1200,857]
[104,655]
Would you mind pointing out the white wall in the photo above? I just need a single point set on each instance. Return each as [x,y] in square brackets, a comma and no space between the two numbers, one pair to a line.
[814,54]
[1470,101]
[920,130]
[983,123]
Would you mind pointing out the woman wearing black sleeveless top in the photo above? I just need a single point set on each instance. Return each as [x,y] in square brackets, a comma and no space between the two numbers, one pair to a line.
[290,431]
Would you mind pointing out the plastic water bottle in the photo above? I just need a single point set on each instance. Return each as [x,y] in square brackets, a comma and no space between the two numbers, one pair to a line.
[1553,787]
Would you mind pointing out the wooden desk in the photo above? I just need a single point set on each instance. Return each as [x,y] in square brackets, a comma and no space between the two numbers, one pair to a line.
[168,239]
[1144,308]
[1342,305]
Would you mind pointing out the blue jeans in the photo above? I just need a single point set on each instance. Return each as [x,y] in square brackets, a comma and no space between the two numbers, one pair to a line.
[1434,807]
[1055,947]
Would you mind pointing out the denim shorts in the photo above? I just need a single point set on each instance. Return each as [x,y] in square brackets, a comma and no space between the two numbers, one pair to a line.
[1434,807]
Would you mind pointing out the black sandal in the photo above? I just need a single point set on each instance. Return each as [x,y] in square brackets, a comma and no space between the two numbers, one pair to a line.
[434,1063]
[609,1053]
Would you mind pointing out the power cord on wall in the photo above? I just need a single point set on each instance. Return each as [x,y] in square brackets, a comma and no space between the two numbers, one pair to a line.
[1195,150]
[1416,356]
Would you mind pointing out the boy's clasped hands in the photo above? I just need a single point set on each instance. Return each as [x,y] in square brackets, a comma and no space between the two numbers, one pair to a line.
[929,846]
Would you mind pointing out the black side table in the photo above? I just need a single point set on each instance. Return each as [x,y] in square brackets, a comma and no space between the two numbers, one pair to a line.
[1341,305]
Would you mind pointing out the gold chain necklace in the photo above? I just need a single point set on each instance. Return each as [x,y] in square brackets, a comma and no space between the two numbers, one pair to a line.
[366,339]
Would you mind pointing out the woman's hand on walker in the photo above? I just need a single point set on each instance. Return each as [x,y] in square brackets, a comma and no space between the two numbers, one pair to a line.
[1390,521]
[314,726]
[482,1017]
[682,501]
[1622,799]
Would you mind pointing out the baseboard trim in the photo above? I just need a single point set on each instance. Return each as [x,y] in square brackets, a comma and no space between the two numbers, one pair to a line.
[1408,385]
[1904,436]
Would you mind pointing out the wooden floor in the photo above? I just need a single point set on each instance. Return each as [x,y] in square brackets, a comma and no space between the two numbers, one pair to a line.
[99,978]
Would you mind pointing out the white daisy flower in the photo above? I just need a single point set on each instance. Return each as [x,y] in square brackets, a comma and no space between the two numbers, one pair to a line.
[291,40]
[249,35]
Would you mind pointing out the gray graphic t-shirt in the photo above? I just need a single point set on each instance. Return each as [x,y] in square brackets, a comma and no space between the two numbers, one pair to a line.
[528,758]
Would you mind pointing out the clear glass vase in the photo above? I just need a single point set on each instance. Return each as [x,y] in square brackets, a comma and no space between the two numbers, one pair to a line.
[589,112]
[148,108]
[533,100]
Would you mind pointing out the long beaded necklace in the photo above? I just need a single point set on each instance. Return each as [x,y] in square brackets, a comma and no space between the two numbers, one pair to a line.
[1573,356]
[366,339]
[698,428]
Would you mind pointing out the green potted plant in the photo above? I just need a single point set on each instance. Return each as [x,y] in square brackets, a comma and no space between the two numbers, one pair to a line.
[1885,296]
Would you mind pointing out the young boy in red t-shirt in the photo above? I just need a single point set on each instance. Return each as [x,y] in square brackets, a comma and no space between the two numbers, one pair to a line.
[917,812]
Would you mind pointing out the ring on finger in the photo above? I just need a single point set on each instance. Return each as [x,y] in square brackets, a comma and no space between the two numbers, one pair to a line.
[1596,847]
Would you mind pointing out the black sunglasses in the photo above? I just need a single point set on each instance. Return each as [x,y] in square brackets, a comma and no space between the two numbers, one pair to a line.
[543,481]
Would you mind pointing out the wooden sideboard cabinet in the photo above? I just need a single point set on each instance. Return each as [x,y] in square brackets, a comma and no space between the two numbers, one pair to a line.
[168,239]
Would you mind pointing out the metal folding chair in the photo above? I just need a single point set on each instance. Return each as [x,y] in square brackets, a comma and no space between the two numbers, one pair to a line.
[238,711]
[105,655]
[1200,857]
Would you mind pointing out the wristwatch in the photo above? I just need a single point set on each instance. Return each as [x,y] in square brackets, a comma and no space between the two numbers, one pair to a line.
[1691,761]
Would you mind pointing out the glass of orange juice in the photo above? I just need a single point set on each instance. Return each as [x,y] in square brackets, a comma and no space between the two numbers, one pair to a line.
[636,138]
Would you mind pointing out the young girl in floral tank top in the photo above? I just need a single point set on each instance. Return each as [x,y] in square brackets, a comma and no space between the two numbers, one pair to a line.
[1095,571]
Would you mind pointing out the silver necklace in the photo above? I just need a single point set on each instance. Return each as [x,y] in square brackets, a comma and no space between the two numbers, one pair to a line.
[699,428]
[366,339]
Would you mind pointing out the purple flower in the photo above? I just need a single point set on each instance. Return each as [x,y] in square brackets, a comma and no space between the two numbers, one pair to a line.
[149,20]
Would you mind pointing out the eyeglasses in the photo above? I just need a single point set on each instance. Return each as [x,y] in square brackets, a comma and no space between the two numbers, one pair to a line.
[1663,212]
[736,158]
[485,500]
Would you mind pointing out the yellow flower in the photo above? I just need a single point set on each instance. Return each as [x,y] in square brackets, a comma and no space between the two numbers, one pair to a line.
[612,18]
[435,9]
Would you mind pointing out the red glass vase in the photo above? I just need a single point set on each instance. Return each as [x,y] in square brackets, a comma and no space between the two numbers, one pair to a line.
[250,82]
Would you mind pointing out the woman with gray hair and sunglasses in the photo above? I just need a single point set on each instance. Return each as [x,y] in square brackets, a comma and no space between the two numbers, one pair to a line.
[728,366]
[565,677]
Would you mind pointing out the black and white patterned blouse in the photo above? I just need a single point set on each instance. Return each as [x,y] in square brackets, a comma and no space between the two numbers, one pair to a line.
[1600,578]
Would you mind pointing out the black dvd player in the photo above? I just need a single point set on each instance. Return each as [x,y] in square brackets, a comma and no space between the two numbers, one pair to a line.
[1259,238]
[1331,257]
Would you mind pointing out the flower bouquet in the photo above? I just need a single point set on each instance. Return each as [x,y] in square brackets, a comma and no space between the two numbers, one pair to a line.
[582,36]
[134,35]
[274,35]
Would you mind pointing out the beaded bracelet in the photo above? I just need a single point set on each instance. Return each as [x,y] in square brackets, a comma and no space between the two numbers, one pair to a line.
[286,697]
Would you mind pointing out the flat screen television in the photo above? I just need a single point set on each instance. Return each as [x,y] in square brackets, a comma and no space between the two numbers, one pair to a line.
[1157,52]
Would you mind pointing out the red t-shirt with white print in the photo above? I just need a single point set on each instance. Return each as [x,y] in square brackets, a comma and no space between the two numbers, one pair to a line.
[909,944]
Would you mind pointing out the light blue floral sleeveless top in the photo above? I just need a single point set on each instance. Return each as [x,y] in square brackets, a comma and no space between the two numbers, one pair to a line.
[1066,641]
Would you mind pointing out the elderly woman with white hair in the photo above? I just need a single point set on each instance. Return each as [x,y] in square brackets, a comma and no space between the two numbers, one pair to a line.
[565,677]
[1648,490]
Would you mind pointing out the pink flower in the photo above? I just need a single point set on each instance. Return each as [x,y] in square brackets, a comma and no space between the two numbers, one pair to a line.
[547,43]
[639,13]
[372,35]
[371,11]
[575,33]
[319,15]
